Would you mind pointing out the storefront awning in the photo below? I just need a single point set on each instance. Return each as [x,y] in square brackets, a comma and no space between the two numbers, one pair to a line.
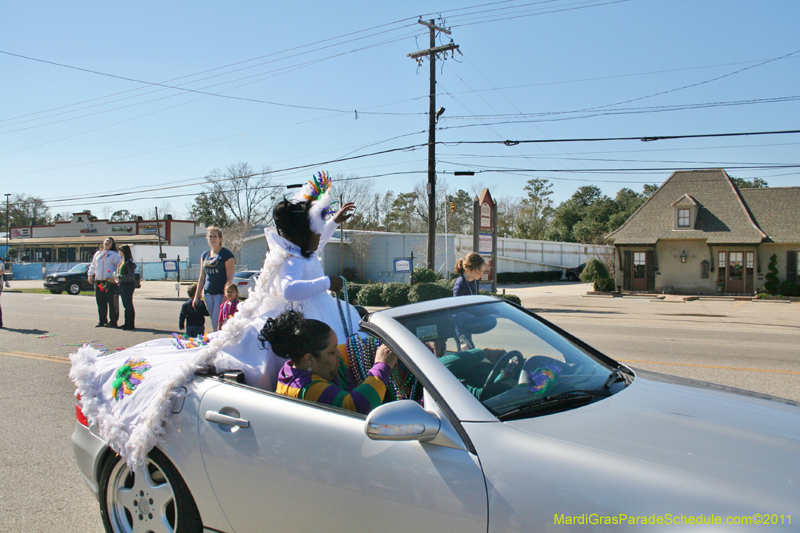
[93,241]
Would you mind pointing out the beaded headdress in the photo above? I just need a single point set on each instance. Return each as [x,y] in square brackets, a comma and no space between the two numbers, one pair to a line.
[318,191]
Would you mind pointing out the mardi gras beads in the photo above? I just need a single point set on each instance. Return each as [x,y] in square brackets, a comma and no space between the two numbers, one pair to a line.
[543,379]
[184,342]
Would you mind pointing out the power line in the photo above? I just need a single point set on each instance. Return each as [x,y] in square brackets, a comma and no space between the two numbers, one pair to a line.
[644,138]
[202,92]
[507,143]
[631,110]
[577,6]
[164,84]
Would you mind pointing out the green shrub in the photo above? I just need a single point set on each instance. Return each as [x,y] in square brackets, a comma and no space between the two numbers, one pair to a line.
[422,292]
[789,288]
[606,284]
[370,295]
[447,284]
[420,274]
[771,286]
[353,289]
[767,296]
[510,297]
[595,270]
[395,294]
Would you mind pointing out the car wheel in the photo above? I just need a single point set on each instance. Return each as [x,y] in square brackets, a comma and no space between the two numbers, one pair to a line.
[156,499]
[55,292]
[74,287]
[571,276]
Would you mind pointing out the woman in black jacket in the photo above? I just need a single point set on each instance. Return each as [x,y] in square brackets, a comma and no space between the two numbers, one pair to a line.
[127,284]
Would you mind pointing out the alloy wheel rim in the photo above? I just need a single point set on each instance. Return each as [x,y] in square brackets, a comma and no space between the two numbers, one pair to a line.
[140,501]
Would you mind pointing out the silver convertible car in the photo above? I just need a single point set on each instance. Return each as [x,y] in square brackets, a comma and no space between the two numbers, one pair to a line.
[502,422]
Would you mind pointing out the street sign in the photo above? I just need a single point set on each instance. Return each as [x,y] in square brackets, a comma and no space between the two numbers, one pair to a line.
[484,235]
[170,265]
[402,265]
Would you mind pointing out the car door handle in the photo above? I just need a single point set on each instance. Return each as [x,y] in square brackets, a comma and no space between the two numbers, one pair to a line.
[219,418]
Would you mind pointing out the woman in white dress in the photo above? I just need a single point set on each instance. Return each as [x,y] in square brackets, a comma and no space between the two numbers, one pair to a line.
[131,417]
[293,277]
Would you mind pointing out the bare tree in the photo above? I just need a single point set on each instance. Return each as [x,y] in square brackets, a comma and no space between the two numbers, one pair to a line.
[246,195]
[421,199]
[476,186]
[606,255]
[234,238]
[165,209]
[345,190]
[360,243]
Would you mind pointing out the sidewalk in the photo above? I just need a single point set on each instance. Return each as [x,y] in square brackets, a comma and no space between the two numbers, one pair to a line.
[165,290]
[150,289]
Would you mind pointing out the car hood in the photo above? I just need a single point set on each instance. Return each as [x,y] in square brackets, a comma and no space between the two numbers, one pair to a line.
[712,431]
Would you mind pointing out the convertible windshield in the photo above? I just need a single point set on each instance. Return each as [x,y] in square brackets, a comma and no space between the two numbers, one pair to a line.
[514,364]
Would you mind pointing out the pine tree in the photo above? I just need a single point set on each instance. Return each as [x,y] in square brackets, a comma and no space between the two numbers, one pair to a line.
[771,286]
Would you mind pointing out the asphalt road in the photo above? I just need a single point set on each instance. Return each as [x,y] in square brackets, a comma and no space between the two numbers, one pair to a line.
[750,345]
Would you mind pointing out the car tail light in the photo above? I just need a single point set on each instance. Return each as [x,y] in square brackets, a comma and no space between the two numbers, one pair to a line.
[242,283]
[79,416]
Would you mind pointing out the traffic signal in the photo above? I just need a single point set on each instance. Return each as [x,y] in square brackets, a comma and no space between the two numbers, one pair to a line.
[452,206]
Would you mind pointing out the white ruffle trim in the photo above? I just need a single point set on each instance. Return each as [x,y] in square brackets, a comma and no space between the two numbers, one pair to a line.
[133,435]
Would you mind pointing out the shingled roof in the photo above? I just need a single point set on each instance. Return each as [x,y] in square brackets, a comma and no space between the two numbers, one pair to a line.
[722,215]
[776,210]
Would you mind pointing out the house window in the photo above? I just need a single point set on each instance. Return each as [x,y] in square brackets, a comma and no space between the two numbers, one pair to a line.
[721,264]
[735,261]
[749,264]
[683,218]
[639,265]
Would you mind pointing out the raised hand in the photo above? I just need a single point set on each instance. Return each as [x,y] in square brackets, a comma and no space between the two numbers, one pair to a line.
[345,212]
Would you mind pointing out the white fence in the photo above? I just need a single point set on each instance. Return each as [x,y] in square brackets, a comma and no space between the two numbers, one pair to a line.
[522,255]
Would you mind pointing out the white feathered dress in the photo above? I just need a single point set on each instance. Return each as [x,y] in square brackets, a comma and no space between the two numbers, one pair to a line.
[132,420]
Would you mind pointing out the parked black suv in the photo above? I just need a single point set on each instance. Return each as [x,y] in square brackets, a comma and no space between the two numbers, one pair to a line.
[573,274]
[74,280]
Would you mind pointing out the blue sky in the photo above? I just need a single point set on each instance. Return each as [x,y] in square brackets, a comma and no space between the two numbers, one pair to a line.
[255,88]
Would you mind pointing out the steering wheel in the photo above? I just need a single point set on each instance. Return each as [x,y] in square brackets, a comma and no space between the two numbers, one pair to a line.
[501,365]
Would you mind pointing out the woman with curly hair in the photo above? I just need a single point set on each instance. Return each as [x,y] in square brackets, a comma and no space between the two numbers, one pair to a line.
[317,371]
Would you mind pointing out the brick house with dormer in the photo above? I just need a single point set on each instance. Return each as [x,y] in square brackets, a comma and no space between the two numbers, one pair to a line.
[700,234]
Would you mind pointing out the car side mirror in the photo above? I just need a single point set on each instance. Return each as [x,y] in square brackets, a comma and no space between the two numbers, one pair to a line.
[402,420]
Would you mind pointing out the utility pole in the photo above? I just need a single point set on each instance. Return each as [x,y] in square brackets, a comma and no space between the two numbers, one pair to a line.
[8,228]
[161,254]
[433,116]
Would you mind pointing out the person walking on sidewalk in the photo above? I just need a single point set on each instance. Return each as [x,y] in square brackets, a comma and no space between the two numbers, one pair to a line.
[127,284]
[102,273]
[217,270]
[3,282]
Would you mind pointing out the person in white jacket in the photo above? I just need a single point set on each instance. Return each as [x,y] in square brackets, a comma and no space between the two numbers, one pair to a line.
[103,275]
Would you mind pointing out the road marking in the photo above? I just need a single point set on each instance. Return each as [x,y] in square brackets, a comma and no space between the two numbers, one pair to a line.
[51,316]
[702,325]
[712,366]
[740,303]
[38,356]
